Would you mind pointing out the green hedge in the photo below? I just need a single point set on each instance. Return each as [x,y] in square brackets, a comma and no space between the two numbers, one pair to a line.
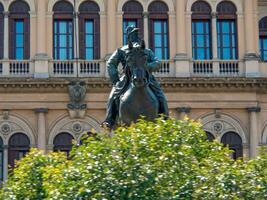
[164,160]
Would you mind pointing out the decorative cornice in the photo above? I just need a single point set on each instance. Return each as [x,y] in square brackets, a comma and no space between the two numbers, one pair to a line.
[192,84]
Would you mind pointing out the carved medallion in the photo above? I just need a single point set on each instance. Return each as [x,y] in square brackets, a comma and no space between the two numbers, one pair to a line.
[5,128]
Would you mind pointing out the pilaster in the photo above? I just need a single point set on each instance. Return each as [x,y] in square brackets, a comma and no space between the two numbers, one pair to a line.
[41,127]
[253,133]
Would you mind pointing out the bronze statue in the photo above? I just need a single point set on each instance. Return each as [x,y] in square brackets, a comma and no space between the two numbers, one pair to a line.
[138,64]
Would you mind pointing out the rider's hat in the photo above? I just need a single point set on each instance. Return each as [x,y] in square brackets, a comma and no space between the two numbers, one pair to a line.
[131,29]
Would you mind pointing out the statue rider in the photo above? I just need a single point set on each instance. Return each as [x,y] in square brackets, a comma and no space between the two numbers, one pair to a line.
[120,84]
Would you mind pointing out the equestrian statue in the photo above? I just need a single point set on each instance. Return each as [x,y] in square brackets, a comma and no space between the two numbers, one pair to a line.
[135,92]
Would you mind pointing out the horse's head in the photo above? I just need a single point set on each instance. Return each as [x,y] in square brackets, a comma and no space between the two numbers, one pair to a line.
[136,60]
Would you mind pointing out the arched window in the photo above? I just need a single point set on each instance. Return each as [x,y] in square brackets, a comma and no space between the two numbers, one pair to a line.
[132,16]
[19,30]
[227,31]
[234,142]
[18,146]
[1,159]
[210,136]
[63,142]
[201,31]
[263,38]
[89,23]
[1,33]
[159,29]
[63,30]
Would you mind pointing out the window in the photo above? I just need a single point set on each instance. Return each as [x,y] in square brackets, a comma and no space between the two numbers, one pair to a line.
[89,30]
[210,136]
[159,31]
[1,159]
[63,143]
[19,43]
[19,31]
[63,39]
[132,16]
[63,31]
[263,39]
[226,31]
[1,32]
[18,146]
[234,142]
[201,31]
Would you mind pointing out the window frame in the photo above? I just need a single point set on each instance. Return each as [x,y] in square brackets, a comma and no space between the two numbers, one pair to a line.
[66,20]
[2,18]
[206,35]
[228,14]
[13,17]
[154,16]
[95,18]
[220,47]
[16,150]
[262,37]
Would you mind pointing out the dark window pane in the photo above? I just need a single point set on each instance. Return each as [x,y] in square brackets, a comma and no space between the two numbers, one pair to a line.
[157,27]
[201,39]
[200,53]
[160,39]
[19,27]
[89,54]
[89,41]
[158,53]
[19,41]
[62,27]
[226,53]
[63,53]
[89,27]
[157,41]
[200,28]
[265,43]
[63,40]
[227,41]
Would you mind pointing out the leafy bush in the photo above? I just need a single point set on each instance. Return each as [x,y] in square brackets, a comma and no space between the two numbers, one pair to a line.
[165,160]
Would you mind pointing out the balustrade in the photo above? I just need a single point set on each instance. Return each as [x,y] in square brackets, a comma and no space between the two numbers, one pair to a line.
[215,68]
[97,68]
[16,68]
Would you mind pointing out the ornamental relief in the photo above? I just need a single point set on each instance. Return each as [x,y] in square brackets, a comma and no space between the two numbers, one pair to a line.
[219,127]
[8,127]
[76,127]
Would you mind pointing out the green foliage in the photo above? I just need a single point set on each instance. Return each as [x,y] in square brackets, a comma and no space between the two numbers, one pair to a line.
[27,180]
[150,161]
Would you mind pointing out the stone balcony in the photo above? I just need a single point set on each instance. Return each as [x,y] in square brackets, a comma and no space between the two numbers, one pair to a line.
[97,68]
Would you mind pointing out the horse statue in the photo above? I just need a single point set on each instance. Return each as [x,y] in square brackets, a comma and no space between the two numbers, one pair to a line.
[138,99]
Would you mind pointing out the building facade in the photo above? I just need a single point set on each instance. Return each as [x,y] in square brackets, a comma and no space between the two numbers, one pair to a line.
[214,67]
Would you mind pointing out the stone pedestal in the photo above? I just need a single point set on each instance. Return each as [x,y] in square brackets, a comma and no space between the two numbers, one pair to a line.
[252,68]
[41,66]
[182,66]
